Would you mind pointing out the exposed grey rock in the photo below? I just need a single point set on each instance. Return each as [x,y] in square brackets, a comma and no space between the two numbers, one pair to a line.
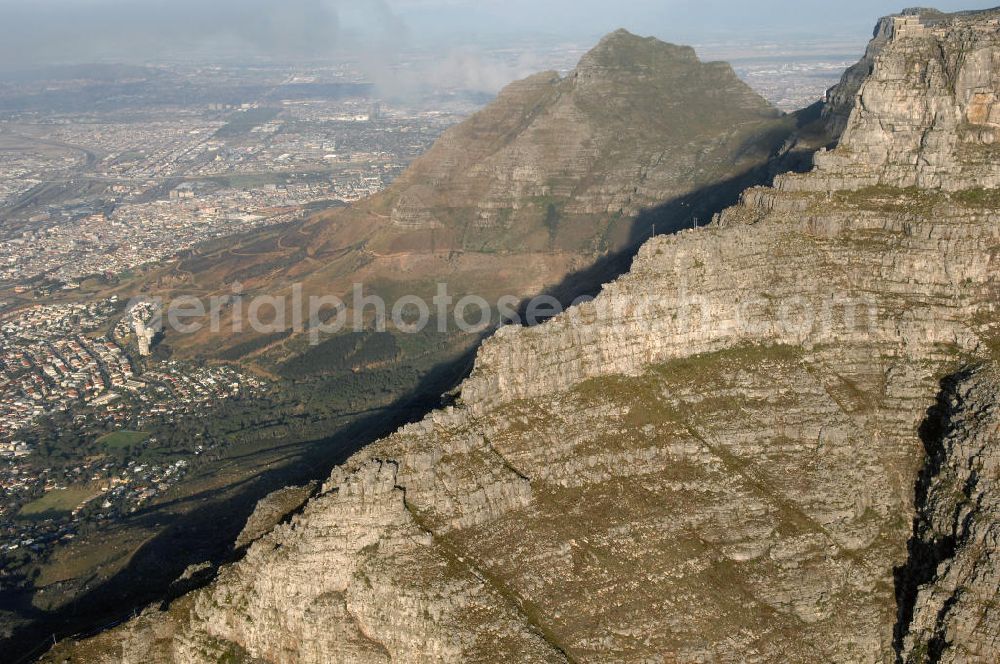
[272,510]
[840,98]
[927,116]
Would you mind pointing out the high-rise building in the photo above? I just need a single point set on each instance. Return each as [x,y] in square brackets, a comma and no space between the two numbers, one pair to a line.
[144,335]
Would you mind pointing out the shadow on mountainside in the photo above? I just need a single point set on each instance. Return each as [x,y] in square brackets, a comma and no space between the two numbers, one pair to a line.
[923,556]
[685,212]
[206,532]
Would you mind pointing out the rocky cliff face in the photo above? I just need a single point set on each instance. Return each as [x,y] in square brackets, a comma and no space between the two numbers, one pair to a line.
[726,457]
[928,115]
[948,598]
[840,99]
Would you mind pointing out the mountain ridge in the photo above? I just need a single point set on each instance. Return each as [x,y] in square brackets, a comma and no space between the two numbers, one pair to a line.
[732,454]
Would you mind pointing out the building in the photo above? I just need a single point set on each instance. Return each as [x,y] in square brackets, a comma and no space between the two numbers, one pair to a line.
[144,335]
[908,26]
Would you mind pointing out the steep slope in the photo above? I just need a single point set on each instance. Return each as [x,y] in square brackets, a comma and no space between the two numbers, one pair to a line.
[554,176]
[714,461]
[925,117]
[839,101]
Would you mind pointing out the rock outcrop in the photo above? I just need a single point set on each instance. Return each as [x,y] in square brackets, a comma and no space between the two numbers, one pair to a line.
[949,590]
[714,461]
[840,99]
[928,115]
[272,510]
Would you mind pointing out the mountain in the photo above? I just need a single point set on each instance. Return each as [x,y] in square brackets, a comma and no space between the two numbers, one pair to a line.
[637,123]
[552,188]
[774,440]
[559,174]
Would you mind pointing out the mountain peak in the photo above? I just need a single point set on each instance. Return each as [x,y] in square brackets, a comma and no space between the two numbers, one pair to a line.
[918,11]
[620,33]
[623,49]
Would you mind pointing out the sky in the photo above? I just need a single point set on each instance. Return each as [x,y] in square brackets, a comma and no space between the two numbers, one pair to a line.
[667,18]
[36,32]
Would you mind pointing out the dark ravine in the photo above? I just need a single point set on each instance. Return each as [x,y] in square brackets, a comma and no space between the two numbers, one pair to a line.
[926,549]
[948,587]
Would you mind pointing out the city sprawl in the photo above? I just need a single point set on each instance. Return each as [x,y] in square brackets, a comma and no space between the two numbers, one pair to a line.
[69,367]
[106,193]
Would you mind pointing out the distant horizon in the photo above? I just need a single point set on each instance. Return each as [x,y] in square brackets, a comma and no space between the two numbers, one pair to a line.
[406,47]
[43,32]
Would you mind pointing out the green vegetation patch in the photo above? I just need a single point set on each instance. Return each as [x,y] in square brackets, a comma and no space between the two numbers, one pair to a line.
[892,199]
[696,367]
[707,373]
[244,122]
[354,351]
[978,198]
[119,440]
[57,502]
[912,199]
[253,345]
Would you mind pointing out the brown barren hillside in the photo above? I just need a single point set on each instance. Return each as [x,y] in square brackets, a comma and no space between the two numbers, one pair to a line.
[558,175]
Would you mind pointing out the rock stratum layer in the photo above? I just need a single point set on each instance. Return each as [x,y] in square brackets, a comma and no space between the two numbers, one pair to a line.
[757,446]
[927,115]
